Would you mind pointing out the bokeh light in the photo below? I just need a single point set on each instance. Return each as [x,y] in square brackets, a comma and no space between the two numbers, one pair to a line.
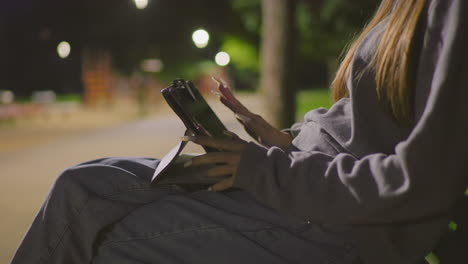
[141,4]
[201,38]
[152,65]
[222,58]
[7,97]
[63,49]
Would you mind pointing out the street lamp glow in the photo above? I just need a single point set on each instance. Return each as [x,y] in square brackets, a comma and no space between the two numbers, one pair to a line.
[201,38]
[63,49]
[141,4]
[222,58]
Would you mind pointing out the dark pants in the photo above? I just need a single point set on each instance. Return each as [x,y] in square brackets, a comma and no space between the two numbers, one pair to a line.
[106,211]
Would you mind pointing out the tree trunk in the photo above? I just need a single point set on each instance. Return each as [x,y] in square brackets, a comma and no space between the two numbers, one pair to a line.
[277,52]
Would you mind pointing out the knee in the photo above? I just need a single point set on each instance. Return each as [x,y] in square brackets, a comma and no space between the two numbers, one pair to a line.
[85,179]
[99,179]
[82,176]
[66,194]
[67,181]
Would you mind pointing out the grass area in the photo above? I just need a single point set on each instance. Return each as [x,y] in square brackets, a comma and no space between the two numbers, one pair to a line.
[60,98]
[69,98]
[307,100]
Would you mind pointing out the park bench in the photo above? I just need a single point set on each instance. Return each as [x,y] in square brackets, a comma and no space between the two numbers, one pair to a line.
[453,247]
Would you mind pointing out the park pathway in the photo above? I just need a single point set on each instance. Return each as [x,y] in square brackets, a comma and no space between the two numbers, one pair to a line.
[26,175]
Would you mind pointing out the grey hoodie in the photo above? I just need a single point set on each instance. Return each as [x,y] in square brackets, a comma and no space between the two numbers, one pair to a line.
[353,169]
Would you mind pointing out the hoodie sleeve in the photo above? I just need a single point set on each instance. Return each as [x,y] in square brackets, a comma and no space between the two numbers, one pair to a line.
[426,174]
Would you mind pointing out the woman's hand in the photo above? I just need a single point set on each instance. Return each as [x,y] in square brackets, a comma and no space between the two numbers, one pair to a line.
[254,124]
[225,163]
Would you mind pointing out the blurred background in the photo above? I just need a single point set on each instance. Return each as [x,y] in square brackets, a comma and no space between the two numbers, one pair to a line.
[80,79]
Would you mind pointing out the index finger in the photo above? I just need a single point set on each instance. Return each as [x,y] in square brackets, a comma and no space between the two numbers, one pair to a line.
[228,98]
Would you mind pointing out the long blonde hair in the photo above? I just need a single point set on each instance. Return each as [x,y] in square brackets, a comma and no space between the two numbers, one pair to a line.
[391,60]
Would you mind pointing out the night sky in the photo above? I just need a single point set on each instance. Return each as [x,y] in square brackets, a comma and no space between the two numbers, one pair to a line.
[31,29]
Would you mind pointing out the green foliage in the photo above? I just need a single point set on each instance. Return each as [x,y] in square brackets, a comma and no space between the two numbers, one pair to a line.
[191,71]
[244,55]
[329,9]
[324,30]
[249,10]
[432,259]
[453,226]
[307,100]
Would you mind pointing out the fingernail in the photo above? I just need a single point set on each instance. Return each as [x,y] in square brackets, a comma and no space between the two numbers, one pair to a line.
[215,91]
[187,163]
[188,138]
[242,117]
[220,82]
[216,80]
[229,133]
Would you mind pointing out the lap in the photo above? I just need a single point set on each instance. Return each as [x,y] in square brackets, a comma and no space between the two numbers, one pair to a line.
[206,227]
[200,227]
